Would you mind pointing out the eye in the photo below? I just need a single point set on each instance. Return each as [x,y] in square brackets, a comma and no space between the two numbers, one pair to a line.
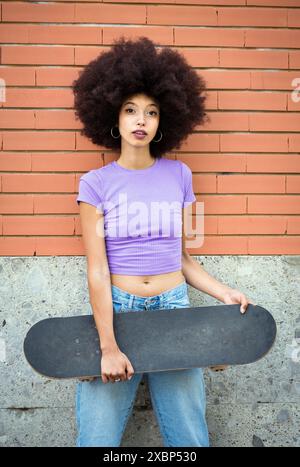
[151,111]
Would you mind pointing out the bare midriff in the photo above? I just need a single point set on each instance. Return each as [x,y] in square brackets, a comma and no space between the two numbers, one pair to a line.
[146,286]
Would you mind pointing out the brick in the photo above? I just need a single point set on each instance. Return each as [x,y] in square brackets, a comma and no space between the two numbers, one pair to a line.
[274,121]
[69,246]
[223,245]
[218,37]
[253,58]
[199,57]
[294,17]
[59,76]
[61,34]
[160,34]
[254,142]
[16,204]
[84,54]
[252,17]
[36,13]
[279,245]
[293,225]
[56,162]
[91,13]
[205,183]
[224,121]
[251,100]
[251,183]
[293,100]
[181,15]
[201,142]
[251,225]
[225,79]
[82,143]
[22,97]
[55,204]
[273,163]
[273,80]
[38,183]
[17,118]
[282,38]
[32,55]
[274,204]
[18,76]
[38,225]
[294,143]
[224,204]
[294,59]
[10,161]
[271,2]
[57,119]
[16,33]
[38,140]
[211,102]
[215,162]
[198,2]
[293,183]
[17,246]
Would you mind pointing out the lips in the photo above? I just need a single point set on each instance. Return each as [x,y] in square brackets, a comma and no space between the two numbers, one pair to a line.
[139,132]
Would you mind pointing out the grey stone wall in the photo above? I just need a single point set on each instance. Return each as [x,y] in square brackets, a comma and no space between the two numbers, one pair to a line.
[249,405]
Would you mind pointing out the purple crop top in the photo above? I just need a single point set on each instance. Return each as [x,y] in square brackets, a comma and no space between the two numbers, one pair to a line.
[142,214]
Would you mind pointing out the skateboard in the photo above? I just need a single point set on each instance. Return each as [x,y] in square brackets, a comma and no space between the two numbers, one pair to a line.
[153,340]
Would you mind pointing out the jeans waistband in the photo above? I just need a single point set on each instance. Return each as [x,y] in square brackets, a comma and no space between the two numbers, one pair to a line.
[175,293]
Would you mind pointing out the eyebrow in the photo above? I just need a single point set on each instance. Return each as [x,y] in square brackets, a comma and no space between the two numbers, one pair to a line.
[128,102]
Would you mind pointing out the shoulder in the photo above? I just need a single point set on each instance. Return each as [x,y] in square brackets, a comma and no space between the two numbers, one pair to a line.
[89,177]
[185,168]
[179,168]
[171,164]
[178,164]
[96,176]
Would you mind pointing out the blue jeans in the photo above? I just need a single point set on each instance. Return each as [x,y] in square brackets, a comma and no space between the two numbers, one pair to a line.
[178,396]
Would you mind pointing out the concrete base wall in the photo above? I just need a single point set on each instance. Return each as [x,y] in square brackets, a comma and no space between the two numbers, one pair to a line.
[249,405]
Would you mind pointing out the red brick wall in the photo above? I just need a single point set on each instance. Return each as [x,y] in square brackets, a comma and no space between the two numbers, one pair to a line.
[245,161]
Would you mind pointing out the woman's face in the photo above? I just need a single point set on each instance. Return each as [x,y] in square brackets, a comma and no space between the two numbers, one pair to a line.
[139,112]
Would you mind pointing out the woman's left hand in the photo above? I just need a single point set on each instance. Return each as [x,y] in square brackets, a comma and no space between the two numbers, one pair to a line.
[232,296]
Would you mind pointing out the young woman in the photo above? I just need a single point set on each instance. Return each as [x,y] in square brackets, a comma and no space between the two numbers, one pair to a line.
[141,103]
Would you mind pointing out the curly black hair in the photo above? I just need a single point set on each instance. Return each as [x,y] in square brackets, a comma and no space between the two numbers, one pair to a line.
[134,67]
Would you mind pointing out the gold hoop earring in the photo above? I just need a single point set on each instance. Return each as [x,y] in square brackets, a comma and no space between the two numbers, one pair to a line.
[157,141]
[111,130]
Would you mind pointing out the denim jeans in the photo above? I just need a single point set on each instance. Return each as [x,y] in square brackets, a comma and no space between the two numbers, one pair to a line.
[177,396]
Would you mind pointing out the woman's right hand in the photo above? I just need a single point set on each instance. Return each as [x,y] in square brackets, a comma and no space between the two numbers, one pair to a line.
[115,365]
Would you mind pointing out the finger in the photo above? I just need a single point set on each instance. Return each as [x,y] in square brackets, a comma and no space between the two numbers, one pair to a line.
[111,379]
[130,370]
[115,377]
[243,305]
[104,379]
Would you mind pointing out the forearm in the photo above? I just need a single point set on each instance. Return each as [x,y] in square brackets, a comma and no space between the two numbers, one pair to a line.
[102,306]
[198,278]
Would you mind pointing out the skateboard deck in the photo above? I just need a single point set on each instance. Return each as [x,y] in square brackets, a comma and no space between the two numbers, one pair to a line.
[153,340]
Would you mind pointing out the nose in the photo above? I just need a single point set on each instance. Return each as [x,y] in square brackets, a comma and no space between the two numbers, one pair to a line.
[141,119]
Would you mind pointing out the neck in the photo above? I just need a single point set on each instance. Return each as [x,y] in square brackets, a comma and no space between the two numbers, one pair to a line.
[135,161]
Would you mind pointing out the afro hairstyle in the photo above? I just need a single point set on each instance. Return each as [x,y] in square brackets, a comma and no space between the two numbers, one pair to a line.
[134,67]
